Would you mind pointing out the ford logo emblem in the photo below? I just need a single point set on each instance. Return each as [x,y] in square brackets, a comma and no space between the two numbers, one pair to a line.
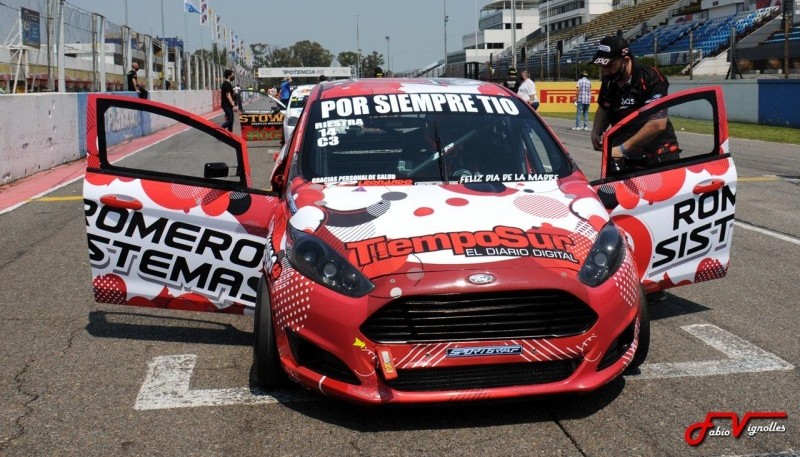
[481,278]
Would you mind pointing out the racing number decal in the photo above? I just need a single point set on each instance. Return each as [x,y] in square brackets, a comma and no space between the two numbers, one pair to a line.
[328,137]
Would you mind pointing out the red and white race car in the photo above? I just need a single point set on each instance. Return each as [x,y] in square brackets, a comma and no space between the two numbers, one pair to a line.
[422,241]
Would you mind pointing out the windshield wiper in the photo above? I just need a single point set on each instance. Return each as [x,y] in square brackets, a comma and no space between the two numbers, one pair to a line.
[440,154]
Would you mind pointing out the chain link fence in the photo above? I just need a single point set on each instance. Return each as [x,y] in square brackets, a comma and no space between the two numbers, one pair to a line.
[96,53]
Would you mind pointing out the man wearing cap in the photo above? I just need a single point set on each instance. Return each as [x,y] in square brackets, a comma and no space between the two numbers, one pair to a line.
[626,86]
[583,97]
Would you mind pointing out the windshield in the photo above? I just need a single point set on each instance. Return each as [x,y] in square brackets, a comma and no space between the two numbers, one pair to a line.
[297,102]
[428,138]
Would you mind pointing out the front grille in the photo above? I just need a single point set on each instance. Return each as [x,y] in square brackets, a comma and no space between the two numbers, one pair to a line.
[471,317]
[484,376]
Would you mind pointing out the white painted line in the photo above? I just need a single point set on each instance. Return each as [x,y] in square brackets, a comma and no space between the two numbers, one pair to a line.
[742,357]
[166,386]
[767,232]
[167,383]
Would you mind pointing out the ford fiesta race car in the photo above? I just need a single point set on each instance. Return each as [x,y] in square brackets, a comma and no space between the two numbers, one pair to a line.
[422,241]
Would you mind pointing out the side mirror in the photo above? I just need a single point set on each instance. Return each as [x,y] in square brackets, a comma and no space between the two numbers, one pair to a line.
[216,170]
[277,183]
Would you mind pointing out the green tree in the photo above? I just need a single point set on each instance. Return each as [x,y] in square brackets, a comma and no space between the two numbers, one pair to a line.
[348,58]
[260,54]
[371,62]
[311,54]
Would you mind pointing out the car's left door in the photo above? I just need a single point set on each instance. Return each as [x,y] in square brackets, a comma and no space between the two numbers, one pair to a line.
[677,208]
[261,118]
[180,224]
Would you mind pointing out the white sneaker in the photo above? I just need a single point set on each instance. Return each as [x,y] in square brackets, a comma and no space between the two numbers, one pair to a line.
[586,128]
[576,128]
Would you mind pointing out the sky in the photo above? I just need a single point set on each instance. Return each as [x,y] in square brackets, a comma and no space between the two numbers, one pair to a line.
[415,27]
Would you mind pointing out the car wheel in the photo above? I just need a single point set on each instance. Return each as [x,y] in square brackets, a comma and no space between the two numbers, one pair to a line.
[644,336]
[267,372]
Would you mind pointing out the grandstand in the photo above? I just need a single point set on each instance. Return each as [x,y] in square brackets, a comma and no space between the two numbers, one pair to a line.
[580,42]
[669,30]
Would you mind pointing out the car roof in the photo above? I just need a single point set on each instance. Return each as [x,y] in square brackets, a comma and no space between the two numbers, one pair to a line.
[375,86]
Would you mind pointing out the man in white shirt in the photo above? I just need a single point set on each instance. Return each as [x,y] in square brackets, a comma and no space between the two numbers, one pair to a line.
[583,98]
[527,90]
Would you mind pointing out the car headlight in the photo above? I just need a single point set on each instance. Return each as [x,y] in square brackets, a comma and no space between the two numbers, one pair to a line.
[604,258]
[292,121]
[319,262]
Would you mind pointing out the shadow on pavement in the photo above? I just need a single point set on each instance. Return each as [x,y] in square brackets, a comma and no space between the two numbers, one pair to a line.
[158,327]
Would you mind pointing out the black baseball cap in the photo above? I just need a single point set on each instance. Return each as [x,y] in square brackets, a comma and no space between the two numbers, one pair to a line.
[610,48]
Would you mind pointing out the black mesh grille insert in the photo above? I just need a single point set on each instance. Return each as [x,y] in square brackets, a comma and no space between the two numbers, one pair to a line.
[484,376]
[470,317]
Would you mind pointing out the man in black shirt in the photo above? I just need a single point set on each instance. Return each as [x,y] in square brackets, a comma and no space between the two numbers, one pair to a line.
[228,105]
[626,86]
[133,81]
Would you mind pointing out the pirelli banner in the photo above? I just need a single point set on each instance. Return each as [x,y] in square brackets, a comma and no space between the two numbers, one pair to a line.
[559,97]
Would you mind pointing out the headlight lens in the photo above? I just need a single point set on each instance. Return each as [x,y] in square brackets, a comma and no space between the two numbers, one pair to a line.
[292,121]
[313,258]
[604,258]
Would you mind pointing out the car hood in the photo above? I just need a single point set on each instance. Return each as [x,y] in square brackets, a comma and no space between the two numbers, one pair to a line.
[385,226]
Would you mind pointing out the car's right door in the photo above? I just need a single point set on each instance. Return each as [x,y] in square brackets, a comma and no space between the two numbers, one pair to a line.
[678,215]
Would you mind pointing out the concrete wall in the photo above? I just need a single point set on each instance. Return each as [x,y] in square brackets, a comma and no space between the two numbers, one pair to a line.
[39,132]
[48,129]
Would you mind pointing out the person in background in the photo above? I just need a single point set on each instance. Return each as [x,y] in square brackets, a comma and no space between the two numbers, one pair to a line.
[527,90]
[286,90]
[237,95]
[323,78]
[626,86]
[228,104]
[133,81]
[583,97]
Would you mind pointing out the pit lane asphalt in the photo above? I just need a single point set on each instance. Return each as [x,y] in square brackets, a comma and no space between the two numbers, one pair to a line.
[72,368]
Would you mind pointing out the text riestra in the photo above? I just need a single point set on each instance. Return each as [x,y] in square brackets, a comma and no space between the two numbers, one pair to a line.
[500,241]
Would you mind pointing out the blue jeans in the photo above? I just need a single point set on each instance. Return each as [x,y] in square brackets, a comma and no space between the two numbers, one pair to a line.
[582,108]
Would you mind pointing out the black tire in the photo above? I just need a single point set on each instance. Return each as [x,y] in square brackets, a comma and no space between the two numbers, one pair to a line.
[266,372]
[644,336]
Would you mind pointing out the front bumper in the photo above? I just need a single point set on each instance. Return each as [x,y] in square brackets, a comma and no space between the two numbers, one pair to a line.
[329,353]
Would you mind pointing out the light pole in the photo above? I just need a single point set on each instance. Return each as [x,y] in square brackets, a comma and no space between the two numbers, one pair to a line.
[513,34]
[547,46]
[126,13]
[358,48]
[388,56]
[445,35]
[163,51]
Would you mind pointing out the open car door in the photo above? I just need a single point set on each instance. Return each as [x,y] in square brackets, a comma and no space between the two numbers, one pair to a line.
[179,224]
[261,118]
[678,215]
